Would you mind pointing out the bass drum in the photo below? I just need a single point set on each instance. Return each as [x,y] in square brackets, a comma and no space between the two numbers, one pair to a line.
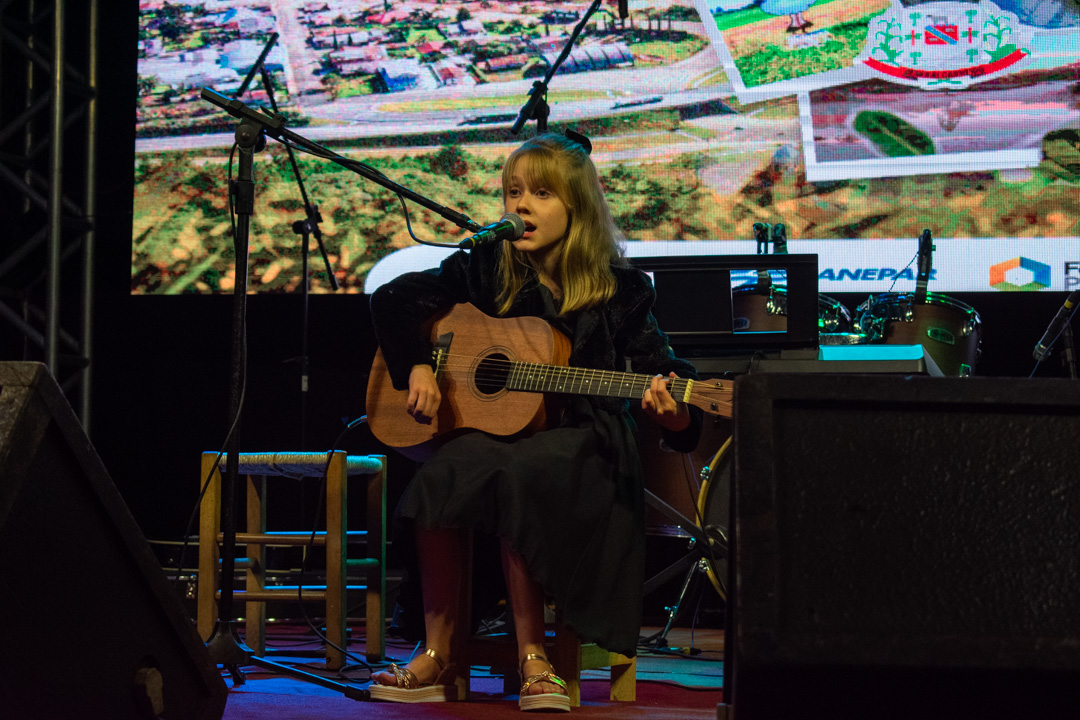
[673,477]
[714,511]
[764,309]
[950,330]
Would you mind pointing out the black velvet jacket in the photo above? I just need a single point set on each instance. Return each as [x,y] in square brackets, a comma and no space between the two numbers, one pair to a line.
[624,327]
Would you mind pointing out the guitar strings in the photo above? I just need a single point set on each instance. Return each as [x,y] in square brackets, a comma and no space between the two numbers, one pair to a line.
[494,369]
[506,371]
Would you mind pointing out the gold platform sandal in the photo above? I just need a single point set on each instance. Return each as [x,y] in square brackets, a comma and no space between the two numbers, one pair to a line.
[548,701]
[408,689]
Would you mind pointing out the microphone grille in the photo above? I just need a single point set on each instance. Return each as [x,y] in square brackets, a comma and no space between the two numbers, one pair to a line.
[516,221]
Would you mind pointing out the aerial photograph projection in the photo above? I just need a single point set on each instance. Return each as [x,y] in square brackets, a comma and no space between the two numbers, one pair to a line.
[704,117]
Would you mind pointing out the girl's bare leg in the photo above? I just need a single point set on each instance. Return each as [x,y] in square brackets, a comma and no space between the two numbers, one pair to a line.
[527,606]
[441,566]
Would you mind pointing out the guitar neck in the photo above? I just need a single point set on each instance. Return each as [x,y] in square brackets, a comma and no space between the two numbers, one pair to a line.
[535,377]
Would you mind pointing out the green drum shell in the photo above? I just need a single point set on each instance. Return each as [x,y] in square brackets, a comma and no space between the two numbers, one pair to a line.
[764,309]
[950,330]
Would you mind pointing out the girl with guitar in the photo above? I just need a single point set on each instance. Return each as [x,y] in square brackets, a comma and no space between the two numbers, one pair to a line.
[566,501]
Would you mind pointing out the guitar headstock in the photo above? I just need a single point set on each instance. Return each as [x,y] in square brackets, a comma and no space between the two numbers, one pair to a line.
[712,396]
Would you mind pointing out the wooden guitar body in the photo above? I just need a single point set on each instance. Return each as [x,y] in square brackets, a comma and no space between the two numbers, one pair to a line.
[472,398]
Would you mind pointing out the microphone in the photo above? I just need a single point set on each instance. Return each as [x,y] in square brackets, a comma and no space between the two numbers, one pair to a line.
[779,239]
[926,248]
[1064,315]
[509,227]
[761,234]
[536,96]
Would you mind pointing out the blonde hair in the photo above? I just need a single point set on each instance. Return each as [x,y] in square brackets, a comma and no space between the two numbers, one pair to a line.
[592,243]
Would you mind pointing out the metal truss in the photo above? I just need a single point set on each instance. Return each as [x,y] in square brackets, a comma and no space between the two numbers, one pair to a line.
[48,124]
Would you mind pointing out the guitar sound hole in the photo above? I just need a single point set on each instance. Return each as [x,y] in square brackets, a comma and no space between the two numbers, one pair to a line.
[491,374]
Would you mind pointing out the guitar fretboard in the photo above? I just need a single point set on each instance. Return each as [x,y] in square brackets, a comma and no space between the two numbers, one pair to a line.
[536,377]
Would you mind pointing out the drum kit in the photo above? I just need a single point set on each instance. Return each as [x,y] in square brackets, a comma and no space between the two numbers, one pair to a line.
[698,485]
[688,497]
[949,329]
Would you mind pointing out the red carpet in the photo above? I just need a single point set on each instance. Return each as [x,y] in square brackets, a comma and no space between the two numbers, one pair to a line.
[272,698]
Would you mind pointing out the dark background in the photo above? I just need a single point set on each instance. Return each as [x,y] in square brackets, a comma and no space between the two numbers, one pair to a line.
[161,364]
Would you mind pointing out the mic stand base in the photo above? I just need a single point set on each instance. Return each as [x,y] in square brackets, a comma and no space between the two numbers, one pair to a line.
[228,650]
[347,690]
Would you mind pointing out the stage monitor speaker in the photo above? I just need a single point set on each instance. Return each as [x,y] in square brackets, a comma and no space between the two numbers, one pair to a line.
[905,547]
[92,627]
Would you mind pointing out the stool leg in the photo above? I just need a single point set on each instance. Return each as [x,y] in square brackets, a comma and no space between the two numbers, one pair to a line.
[255,577]
[463,623]
[336,523]
[209,527]
[623,679]
[567,661]
[375,579]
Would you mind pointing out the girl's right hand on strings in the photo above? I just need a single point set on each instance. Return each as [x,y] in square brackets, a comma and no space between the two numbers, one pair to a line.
[424,395]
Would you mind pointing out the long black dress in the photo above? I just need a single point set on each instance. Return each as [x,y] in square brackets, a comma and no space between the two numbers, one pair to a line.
[568,499]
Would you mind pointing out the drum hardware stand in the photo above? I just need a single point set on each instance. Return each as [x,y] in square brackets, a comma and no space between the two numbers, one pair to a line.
[699,566]
[702,548]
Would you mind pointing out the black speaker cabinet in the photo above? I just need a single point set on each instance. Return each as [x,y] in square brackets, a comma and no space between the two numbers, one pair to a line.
[92,627]
[905,547]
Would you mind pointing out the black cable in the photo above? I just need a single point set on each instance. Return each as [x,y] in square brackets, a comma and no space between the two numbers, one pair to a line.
[352,165]
[913,259]
[311,546]
[240,404]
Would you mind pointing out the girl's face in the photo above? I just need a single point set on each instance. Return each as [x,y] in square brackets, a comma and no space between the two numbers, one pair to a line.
[546,217]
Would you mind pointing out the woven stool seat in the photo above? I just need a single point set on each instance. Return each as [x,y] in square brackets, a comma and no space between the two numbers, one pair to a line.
[302,464]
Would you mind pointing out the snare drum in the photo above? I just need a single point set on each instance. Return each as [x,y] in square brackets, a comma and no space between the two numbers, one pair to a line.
[763,309]
[949,329]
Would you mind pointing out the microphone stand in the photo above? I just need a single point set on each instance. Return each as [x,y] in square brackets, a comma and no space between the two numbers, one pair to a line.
[274,126]
[224,646]
[305,228]
[536,107]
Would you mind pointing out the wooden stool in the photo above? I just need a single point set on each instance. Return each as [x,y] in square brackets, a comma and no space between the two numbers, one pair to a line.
[258,467]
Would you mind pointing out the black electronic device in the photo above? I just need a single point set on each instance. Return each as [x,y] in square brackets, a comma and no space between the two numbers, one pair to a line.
[694,302]
[904,537]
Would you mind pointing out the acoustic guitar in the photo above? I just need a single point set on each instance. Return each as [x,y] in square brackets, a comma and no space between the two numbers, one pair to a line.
[501,376]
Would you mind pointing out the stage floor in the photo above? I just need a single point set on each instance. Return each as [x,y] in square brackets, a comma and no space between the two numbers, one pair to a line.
[680,682]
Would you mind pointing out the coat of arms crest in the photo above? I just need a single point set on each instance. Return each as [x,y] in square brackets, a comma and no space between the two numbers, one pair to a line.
[945,45]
